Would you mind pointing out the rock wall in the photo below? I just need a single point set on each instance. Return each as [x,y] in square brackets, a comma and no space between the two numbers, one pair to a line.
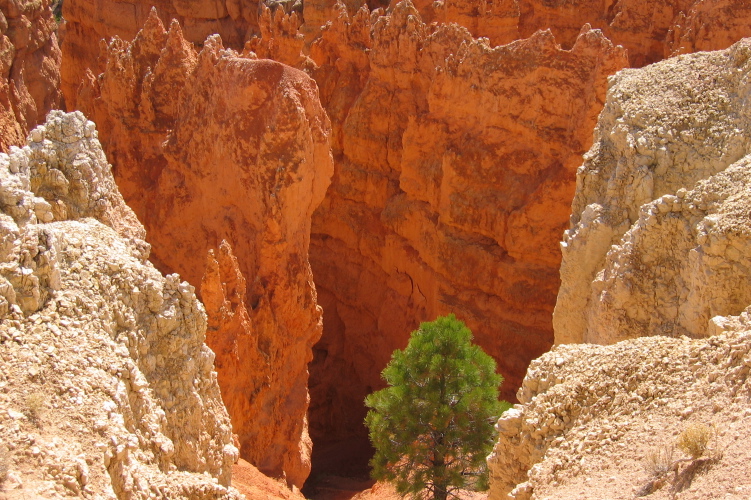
[29,68]
[90,21]
[651,249]
[233,159]
[438,202]
[658,248]
[650,31]
[108,389]
[454,166]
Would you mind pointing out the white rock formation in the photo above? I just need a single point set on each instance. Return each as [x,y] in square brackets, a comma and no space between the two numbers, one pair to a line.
[590,416]
[645,255]
[106,387]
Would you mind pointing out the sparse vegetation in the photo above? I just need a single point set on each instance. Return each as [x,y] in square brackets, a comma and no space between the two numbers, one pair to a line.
[694,440]
[659,461]
[433,426]
[57,10]
[35,407]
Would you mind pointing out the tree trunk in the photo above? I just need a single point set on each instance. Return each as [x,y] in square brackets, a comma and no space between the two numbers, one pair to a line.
[440,483]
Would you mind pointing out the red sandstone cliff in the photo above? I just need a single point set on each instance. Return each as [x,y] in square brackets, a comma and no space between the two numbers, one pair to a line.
[29,68]
[650,31]
[439,202]
[231,160]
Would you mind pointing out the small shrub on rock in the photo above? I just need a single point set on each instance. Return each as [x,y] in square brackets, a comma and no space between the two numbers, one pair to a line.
[35,407]
[659,461]
[694,440]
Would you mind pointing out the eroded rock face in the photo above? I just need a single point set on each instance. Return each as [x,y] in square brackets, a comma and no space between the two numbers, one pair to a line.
[90,21]
[650,31]
[653,248]
[659,249]
[591,417]
[108,387]
[438,204]
[236,160]
[29,68]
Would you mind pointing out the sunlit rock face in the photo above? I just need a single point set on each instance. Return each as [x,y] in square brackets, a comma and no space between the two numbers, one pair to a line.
[29,68]
[230,160]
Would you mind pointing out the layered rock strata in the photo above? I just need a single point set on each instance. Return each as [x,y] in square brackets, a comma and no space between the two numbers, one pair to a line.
[657,246]
[29,68]
[232,160]
[650,31]
[108,389]
[438,204]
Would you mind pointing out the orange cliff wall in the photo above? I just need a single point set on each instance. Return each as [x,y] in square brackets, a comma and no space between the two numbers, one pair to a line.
[227,177]
[455,167]
[29,68]
[650,31]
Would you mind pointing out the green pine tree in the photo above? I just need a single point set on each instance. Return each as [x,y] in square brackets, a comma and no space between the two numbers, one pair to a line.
[433,426]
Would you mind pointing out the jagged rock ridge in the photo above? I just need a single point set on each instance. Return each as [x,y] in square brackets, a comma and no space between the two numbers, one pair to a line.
[236,159]
[107,386]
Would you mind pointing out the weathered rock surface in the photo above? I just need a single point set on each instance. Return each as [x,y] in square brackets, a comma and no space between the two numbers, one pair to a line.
[454,165]
[653,248]
[650,31]
[592,416]
[249,481]
[438,204]
[106,386]
[29,68]
[90,21]
[233,159]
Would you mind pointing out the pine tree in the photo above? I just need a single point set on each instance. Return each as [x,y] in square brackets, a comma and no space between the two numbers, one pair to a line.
[433,426]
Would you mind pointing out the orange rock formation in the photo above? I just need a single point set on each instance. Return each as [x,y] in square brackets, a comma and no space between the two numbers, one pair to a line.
[650,31]
[232,170]
[29,68]
[454,174]
[89,21]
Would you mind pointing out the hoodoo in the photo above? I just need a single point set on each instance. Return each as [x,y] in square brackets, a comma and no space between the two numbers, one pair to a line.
[227,177]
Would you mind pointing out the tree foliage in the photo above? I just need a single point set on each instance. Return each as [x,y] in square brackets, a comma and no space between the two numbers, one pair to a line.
[433,426]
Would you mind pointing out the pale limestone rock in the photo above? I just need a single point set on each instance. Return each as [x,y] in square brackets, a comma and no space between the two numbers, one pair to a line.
[659,247]
[114,351]
[590,415]
[637,259]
